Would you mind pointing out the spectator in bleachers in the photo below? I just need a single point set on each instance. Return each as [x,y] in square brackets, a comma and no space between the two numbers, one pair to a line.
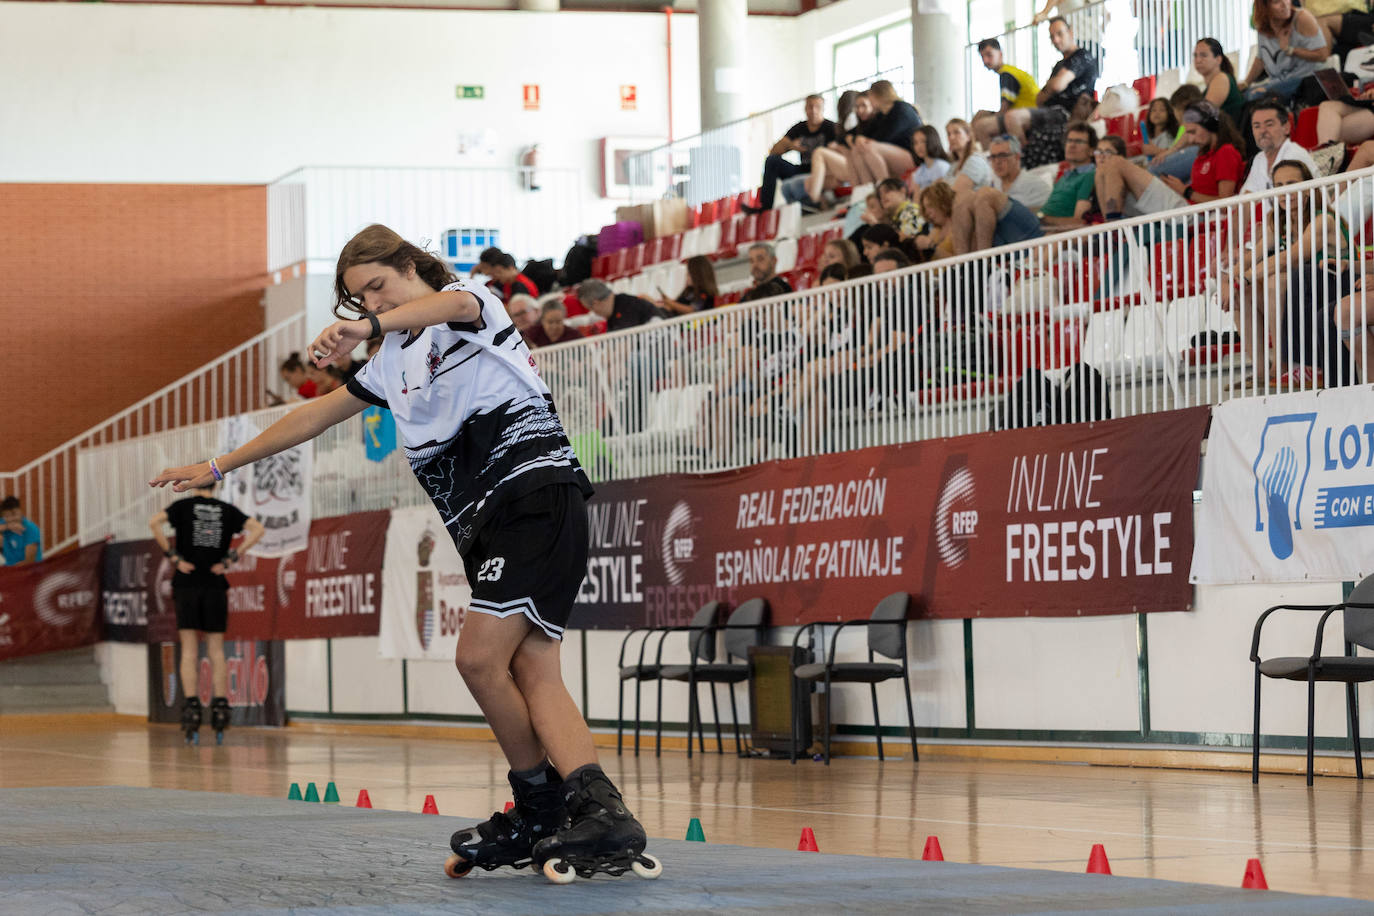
[1126,189]
[1178,159]
[1041,130]
[839,251]
[985,219]
[509,279]
[932,162]
[1347,29]
[1218,78]
[1062,7]
[620,310]
[1071,197]
[1029,189]
[890,259]
[858,220]
[700,292]
[969,167]
[1291,48]
[1018,89]
[1160,127]
[803,138]
[551,328]
[1270,125]
[523,310]
[1277,282]
[830,164]
[763,267]
[879,237]
[902,214]
[1346,122]
[326,380]
[832,273]
[20,539]
[885,148]
[295,374]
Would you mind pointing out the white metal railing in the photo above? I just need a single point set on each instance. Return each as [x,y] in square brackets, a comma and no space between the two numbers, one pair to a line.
[729,159]
[236,382]
[1135,316]
[313,211]
[116,501]
[1161,35]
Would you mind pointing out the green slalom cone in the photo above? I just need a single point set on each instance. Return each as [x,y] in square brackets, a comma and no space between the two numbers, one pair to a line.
[295,793]
[312,793]
[694,832]
[331,794]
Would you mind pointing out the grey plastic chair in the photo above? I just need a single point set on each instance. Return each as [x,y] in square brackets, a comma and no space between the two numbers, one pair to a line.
[887,637]
[744,628]
[1358,616]
[703,620]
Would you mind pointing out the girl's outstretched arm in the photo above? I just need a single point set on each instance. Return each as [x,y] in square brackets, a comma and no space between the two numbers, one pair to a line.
[303,423]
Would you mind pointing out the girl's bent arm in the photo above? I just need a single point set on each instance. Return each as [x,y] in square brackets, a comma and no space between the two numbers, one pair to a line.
[304,423]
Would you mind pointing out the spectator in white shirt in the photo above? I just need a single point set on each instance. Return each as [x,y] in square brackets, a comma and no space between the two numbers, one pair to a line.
[1269,122]
[1004,153]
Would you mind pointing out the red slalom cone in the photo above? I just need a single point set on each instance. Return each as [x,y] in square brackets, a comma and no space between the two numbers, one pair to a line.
[808,841]
[509,805]
[1254,877]
[364,800]
[932,852]
[430,807]
[1097,861]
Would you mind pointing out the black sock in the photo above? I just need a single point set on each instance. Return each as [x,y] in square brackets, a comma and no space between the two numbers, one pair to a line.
[537,776]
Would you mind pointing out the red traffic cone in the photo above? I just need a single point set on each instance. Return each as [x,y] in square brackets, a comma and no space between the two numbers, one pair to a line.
[1254,876]
[808,841]
[932,852]
[509,805]
[1097,861]
[430,807]
[364,800]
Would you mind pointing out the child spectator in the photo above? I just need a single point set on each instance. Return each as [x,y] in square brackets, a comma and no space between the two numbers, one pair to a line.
[1178,159]
[902,214]
[932,162]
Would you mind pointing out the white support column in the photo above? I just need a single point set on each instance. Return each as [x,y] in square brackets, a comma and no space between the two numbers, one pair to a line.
[939,31]
[721,43]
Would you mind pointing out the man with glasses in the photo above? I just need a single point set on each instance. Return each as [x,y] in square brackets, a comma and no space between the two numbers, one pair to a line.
[1031,190]
[1071,197]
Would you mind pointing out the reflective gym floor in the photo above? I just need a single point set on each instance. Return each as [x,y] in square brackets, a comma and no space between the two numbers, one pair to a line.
[80,831]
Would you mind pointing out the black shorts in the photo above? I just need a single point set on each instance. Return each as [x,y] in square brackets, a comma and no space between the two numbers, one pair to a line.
[531,558]
[1044,137]
[204,608]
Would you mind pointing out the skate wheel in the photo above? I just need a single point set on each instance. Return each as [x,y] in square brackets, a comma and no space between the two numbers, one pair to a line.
[559,871]
[647,866]
[457,866]
[219,737]
[195,738]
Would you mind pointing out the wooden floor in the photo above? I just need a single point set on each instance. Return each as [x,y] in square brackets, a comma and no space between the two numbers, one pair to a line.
[1182,825]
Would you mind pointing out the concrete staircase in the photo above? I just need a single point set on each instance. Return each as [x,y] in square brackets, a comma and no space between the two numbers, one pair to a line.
[56,682]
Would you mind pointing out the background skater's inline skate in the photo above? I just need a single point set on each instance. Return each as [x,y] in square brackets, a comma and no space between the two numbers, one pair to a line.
[190,719]
[601,834]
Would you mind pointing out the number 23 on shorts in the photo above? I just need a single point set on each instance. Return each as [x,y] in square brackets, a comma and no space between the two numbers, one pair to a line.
[491,570]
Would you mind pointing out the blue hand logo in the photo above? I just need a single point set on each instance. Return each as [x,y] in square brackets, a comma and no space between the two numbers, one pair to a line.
[1278,488]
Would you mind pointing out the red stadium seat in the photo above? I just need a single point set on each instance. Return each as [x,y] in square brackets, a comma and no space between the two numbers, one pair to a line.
[706,213]
[615,266]
[653,251]
[1306,133]
[748,230]
[768,224]
[672,247]
[748,198]
[726,208]
[1144,90]
[832,234]
[729,244]
[601,266]
[634,261]
[802,278]
[808,250]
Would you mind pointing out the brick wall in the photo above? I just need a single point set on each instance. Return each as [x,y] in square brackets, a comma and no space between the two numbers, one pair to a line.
[110,291]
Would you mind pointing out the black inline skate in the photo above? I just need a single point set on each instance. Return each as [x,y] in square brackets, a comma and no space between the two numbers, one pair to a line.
[190,719]
[219,717]
[601,834]
[508,837]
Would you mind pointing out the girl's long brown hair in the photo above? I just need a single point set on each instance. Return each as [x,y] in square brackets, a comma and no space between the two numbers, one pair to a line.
[379,245]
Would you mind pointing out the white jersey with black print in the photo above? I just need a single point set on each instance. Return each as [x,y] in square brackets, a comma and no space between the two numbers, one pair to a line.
[478,423]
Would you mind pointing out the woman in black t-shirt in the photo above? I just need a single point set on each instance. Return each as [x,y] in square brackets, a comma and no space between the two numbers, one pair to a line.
[700,292]
[886,150]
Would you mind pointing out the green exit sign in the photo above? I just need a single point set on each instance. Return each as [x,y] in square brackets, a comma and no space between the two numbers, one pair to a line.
[471,92]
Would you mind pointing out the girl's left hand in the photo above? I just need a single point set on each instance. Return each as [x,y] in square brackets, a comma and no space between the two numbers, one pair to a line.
[337,340]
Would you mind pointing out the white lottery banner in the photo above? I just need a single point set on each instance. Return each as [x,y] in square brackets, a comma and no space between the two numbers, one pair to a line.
[274,490]
[425,592]
[1288,490]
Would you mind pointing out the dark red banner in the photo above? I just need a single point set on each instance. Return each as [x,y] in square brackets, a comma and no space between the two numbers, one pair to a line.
[51,605]
[128,579]
[334,587]
[1051,521]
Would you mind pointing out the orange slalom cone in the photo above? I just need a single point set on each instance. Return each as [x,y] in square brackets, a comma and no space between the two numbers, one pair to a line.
[808,841]
[1254,876]
[1097,861]
[430,807]
[509,805]
[364,800]
[932,852]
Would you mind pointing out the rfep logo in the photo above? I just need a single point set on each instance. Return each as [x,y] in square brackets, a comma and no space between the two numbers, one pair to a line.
[679,543]
[956,519]
[60,599]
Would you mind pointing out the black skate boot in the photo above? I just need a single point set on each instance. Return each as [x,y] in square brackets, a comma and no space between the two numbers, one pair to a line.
[508,837]
[219,717]
[190,720]
[601,834]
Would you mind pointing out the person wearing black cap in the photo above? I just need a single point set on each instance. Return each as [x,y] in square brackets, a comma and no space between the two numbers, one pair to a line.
[1127,189]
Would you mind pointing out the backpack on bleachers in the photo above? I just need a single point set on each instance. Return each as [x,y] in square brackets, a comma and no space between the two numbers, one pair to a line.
[541,274]
[577,263]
